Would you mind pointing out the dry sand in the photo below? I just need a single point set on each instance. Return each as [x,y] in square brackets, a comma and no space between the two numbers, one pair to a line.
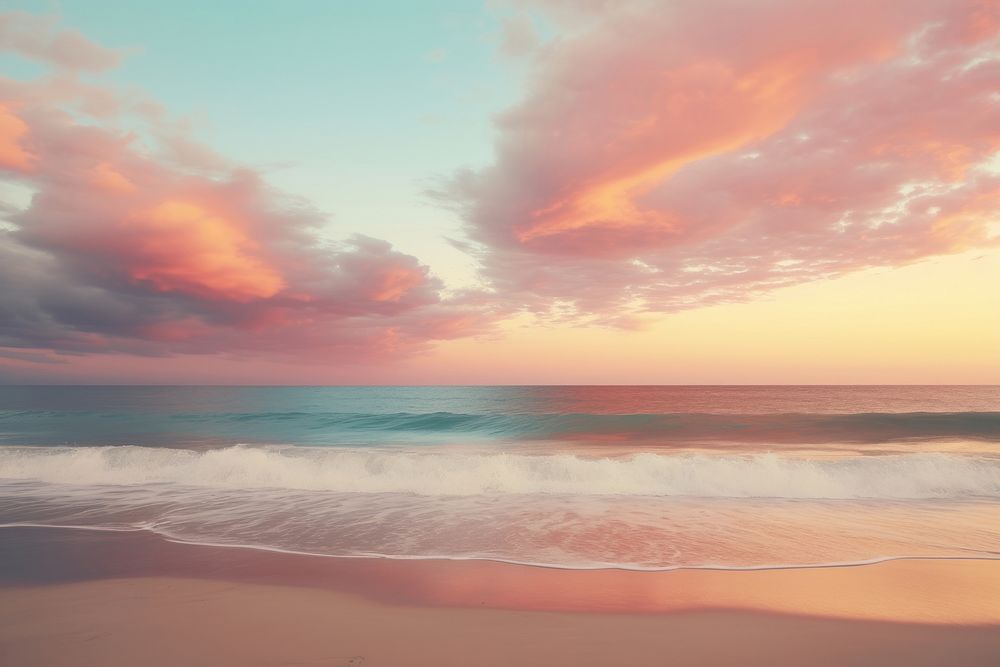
[163,621]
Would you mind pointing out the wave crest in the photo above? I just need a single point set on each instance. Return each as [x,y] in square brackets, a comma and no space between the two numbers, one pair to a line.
[443,473]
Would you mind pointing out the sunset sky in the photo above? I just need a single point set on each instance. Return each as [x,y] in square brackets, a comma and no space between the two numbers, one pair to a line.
[512,191]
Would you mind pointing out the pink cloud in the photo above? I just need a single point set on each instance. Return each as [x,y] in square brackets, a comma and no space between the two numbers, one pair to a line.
[145,242]
[13,134]
[186,247]
[670,155]
[39,38]
[518,36]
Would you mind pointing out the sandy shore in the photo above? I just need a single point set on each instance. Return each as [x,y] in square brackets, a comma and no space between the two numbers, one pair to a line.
[169,621]
[86,598]
[160,621]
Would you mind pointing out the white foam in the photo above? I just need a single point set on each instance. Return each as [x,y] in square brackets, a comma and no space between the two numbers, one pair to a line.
[443,473]
[821,565]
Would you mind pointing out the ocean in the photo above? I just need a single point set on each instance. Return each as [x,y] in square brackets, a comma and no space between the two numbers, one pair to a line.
[645,477]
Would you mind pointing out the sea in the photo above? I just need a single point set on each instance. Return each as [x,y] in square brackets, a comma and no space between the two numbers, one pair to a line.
[630,477]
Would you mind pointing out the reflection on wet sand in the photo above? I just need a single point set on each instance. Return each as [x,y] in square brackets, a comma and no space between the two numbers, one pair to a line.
[943,591]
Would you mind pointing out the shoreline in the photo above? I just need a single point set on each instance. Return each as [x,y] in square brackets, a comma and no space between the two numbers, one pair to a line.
[84,597]
[166,537]
[949,591]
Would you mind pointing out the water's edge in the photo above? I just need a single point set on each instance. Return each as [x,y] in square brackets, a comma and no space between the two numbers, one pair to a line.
[548,566]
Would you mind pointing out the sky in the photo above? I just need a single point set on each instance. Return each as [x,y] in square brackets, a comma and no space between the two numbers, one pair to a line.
[501,192]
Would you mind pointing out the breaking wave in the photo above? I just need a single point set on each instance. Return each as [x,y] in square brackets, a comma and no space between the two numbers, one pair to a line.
[452,473]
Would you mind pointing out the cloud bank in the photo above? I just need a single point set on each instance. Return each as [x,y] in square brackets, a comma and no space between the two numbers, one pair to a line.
[671,155]
[137,239]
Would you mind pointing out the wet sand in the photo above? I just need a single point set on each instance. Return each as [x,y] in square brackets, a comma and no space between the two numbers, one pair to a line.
[96,598]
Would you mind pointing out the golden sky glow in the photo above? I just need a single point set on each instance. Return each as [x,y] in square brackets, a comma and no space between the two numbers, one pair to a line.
[926,323]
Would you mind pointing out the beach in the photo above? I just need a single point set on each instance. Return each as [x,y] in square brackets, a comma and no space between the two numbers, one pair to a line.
[500,333]
[72,597]
[346,526]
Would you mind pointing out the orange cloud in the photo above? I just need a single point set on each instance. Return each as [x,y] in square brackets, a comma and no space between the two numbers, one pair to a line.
[754,105]
[184,247]
[396,282]
[106,177]
[13,131]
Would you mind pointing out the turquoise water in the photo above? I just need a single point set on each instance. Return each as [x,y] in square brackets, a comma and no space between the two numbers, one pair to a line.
[338,416]
[644,477]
